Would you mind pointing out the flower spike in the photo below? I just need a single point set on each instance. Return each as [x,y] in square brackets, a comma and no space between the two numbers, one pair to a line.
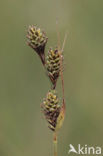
[37,40]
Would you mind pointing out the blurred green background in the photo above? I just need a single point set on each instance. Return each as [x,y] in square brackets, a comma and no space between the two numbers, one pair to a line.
[23,83]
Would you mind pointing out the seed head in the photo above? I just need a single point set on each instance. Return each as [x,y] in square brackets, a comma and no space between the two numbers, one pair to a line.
[37,40]
[51,109]
[53,65]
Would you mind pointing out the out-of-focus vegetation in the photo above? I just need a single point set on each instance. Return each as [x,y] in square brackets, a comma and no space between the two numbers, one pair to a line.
[23,84]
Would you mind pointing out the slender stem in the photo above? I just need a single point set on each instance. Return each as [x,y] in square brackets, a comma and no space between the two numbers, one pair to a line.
[55,143]
[58,34]
[61,72]
[61,62]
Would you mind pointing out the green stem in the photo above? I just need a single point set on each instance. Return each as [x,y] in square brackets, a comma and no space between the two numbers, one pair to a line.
[55,143]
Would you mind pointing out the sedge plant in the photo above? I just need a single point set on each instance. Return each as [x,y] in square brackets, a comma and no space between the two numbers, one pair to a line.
[53,112]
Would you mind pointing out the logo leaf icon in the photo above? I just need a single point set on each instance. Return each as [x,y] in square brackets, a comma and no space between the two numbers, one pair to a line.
[72,149]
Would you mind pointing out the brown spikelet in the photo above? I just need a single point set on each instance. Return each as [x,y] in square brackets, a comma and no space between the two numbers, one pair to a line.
[51,109]
[53,65]
[37,40]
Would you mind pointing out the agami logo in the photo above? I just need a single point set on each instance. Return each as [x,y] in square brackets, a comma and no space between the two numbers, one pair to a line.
[85,150]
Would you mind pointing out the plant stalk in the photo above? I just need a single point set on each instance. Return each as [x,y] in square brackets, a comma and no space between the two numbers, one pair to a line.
[55,143]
